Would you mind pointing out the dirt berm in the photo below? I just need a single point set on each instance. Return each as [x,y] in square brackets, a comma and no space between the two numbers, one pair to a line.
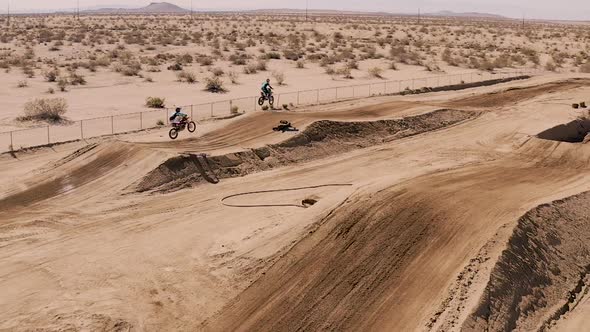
[542,274]
[319,140]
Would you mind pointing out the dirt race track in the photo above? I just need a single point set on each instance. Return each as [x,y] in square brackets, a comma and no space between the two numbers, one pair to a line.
[439,212]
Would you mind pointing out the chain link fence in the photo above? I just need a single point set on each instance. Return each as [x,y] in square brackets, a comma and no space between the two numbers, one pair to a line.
[131,122]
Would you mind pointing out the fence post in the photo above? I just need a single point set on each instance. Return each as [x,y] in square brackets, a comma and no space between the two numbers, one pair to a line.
[317,97]
[231,103]
[81,129]
[140,120]
[336,93]
[298,98]
[112,125]
[48,139]
[370,95]
[211,104]
[192,112]
[353,92]
[11,142]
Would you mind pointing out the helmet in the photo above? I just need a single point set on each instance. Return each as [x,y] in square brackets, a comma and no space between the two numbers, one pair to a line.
[178,109]
[268,80]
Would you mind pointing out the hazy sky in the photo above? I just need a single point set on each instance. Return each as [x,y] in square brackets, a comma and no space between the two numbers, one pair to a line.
[554,9]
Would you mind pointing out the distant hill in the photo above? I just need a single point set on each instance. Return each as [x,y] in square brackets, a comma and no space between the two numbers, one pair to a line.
[152,8]
[469,14]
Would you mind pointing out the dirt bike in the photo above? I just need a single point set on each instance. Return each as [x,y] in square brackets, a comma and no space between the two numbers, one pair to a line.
[264,97]
[186,123]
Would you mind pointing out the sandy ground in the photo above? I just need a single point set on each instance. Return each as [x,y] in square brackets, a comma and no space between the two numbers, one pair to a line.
[409,228]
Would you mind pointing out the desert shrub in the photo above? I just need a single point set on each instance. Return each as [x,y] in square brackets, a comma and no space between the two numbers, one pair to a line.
[265,108]
[214,84]
[585,68]
[159,123]
[345,72]
[51,75]
[148,79]
[185,76]
[155,102]
[77,79]
[49,110]
[235,110]
[550,66]
[62,83]
[376,72]
[279,77]
[50,91]
[218,72]
[204,61]
[22,84]
[431,66]
[352,64]
[233,76]
[29,72]
[286,107]
[238,59]
[250,69]
[330,70]
[272,55]
[392,66]
[300,64]
[261,65]
[175,67]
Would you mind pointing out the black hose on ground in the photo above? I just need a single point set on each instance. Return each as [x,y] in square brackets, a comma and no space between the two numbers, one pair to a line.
[278,190]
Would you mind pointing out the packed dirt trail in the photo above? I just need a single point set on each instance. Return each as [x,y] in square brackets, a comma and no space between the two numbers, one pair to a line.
[405,231]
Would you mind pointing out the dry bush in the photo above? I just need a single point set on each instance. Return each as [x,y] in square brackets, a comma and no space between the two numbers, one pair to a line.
[250,69]
[62,83]
[279,77]
[155,102]
[214,84]
[48,110]
[550,66]
[300,64]
[22,84]
[261,65]
[233,76]
[76,79]
[51,75]
[217,72]
[376,72]
[185,76]
[345,72]
[585,68]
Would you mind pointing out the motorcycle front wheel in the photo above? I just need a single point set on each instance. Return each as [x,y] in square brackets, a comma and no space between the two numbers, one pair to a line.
[261,101]
[191,127]
[271,100]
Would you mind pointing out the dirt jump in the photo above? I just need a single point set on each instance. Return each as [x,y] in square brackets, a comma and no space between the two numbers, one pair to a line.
[444,211]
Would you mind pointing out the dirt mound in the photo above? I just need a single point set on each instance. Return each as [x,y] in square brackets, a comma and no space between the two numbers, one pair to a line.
[573,132]
[341,276]
[320,139]
[542,273]
[516,95]
[86,165]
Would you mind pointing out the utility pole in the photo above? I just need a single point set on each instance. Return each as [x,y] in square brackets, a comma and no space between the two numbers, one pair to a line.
[419,16]
[8,15]
[191,9]
[78,9]
[306,10]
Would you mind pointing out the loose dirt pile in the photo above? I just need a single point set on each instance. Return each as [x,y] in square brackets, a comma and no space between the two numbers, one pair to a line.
[319,140]
[542,274]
